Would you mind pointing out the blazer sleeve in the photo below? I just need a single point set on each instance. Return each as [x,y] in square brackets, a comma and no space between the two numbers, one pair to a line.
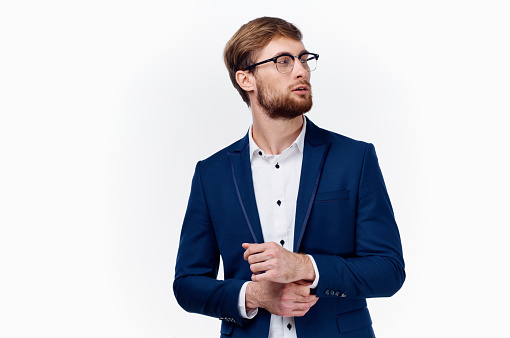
[195,286]
[377,267]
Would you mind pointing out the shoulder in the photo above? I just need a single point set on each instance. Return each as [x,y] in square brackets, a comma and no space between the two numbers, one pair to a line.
[221,157]
[317,135]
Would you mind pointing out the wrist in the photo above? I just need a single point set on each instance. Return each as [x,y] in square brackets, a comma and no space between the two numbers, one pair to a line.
[308,272]
[251,299]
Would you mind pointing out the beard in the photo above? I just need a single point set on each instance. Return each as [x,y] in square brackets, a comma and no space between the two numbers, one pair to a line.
[283,106]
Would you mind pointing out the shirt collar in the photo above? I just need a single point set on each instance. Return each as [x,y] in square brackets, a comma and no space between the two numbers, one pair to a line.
[299,142]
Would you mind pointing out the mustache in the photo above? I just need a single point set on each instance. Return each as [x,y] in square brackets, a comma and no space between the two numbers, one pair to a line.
[302,82]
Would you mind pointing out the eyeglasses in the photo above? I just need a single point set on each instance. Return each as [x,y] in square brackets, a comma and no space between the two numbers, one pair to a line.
[285,62]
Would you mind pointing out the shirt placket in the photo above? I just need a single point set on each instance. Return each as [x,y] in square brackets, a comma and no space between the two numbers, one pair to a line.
[280,226]
[279,203]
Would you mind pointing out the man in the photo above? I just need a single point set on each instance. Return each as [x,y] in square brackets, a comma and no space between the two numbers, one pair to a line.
[300,215]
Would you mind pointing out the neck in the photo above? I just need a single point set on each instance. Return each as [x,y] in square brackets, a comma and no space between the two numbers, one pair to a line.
[274,136]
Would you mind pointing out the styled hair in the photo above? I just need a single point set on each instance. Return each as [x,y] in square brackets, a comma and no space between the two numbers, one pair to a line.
[240,51]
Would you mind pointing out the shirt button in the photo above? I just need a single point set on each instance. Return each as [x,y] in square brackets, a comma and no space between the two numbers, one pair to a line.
[260,153]
[289,326]
[282,242]
[279,202]
[277,166]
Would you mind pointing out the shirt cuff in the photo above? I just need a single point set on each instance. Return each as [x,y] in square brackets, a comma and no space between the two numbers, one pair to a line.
[241,304]
[316,281]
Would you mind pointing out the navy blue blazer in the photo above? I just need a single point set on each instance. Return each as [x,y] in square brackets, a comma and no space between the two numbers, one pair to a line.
[344,219]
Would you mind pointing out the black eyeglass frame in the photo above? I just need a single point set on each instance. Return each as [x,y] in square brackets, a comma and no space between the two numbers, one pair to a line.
[316,57]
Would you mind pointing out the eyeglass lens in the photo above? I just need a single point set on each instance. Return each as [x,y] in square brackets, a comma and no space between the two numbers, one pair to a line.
[285,63]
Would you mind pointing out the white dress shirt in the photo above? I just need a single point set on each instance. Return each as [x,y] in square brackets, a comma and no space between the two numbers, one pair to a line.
[276,184]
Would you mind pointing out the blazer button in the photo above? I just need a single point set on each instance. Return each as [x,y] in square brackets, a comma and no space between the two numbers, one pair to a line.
[337,293]
[326,292]
[343,295]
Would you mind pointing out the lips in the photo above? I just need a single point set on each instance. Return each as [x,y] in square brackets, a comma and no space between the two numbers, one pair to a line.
[300,88]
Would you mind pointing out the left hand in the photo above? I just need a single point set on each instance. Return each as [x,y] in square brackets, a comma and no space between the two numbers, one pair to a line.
[279,265]
[281,299]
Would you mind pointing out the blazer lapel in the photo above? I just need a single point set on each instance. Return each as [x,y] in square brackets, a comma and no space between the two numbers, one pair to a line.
[241,173]
[314,156]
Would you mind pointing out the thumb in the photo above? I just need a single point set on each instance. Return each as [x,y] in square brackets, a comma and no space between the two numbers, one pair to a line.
[302,282]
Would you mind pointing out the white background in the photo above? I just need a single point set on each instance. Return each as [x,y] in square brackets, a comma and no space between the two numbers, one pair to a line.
[106,106]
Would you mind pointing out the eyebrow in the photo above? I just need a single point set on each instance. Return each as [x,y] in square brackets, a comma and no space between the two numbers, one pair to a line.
[289,53]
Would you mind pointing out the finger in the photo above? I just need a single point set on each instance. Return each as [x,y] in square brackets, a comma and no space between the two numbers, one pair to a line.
[267,276]
[300,294]
[302,291]
[304,300]
[258,257]
[298,313]
[261,277]
[252,249]
[260,267]
[308,305]
[246,246]
[310,299]
[300,309]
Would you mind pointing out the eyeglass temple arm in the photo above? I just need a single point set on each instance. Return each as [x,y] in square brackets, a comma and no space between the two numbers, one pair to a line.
[261,63]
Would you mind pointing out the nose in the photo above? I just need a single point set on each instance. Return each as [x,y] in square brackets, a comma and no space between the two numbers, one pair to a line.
[299,70]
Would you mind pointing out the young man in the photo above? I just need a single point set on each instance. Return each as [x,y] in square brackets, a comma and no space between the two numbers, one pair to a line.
[299,215]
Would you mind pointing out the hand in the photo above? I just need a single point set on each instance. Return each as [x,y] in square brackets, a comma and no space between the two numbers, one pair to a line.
[278,264]
[287,300]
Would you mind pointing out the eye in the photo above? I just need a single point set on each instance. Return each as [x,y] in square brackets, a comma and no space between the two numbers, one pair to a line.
[283,60]
[305,58]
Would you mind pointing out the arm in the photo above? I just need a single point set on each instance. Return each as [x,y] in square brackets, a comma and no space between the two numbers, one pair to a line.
[278,264]
[283,287]
[195,286]
[377,268]
[282,299]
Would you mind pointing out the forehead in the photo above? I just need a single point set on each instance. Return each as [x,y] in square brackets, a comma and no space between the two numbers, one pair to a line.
[281,45]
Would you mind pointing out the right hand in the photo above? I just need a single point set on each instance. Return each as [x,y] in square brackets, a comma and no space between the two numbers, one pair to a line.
[286,300]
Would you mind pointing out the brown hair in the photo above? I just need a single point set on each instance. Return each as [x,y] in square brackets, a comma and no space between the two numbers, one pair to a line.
[240,50]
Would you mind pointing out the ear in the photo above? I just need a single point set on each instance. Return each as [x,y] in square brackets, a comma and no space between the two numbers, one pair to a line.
[245,80]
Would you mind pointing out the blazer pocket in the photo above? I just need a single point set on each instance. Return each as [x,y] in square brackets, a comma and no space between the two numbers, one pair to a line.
[332,196]
[353,320]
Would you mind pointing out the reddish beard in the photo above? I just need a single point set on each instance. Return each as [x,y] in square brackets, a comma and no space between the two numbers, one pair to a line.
[284,106]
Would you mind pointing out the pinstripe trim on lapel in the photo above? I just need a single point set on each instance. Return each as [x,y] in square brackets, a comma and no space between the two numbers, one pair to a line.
[241,173]
[314,156]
